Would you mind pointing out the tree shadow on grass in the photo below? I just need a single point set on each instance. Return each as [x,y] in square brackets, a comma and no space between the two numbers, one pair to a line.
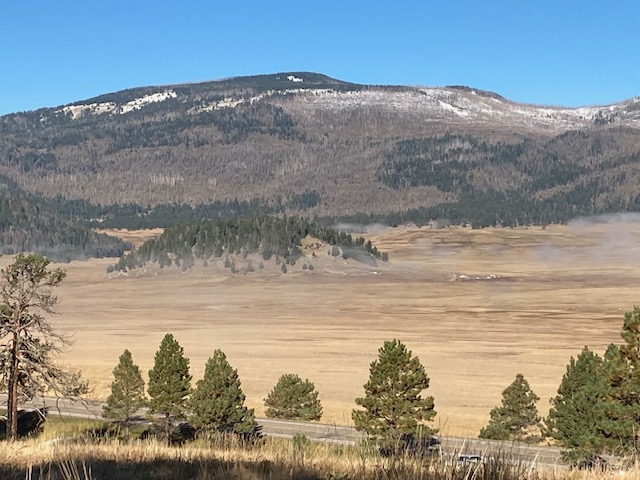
[160,469]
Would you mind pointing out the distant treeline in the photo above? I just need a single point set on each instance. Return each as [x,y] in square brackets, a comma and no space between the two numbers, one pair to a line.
[136,217]
[507,209]
[270,236]
[478,209]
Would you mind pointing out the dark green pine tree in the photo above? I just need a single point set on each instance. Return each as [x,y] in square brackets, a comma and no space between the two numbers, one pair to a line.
[622,403]
[169,382]
[517,419]
[218,401]
[393,404]
[127,391]
[293,398]
[577,414]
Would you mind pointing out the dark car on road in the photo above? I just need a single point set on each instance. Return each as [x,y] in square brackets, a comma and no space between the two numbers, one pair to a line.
[409,444]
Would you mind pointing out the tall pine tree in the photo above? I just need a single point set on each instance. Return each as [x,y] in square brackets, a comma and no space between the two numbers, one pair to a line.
[127,391]
[169,382]
[517,419]
[577,412]
[29,344]
[393,405]
[218,402]
[622,403]
[295,399]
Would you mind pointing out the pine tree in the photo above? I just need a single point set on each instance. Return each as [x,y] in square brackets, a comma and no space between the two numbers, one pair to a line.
[293,398]
[218,401]
[169,382]
[28,342]
[577,413]
[517,418]
[127,391]
[622,403]
[392,404]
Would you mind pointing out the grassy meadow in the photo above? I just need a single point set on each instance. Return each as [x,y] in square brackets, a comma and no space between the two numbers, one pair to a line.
[477,307]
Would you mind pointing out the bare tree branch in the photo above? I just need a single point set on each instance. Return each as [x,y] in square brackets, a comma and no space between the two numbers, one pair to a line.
[29,344]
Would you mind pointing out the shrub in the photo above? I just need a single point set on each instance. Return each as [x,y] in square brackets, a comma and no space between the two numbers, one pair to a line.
[293,398]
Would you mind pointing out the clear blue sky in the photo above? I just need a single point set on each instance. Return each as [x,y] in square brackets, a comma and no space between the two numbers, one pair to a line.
[560,52]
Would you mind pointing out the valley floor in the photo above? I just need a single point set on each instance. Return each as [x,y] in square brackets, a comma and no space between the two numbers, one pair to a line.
[477,307]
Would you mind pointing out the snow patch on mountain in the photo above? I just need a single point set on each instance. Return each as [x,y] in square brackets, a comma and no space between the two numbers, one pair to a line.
[138,103]
[451,108]
[469,107]
[230,102]
[78,111]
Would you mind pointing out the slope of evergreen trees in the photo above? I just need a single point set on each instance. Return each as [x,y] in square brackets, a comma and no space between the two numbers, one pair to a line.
[278,237]
[29,224]
[449,162]
[521,183]
[134,217]
[479,209]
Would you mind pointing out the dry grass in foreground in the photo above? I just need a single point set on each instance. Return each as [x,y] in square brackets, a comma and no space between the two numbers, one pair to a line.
[227,458]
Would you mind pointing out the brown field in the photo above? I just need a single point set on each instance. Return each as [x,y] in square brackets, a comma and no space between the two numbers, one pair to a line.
[556,290]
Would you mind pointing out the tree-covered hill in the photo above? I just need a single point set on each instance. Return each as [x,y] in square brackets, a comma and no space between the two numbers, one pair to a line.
[277,239]
[304,143]
[29,224]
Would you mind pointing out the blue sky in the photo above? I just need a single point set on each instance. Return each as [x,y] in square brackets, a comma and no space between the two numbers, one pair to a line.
[560,52]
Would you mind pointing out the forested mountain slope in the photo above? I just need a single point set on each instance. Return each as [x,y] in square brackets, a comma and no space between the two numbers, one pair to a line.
[303,142]
[29,224]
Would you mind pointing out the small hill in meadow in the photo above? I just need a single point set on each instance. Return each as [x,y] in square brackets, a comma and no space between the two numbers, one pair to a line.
[244,245]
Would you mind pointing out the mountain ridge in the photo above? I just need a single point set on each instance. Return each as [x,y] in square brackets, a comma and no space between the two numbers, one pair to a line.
[305,82]
[311,78]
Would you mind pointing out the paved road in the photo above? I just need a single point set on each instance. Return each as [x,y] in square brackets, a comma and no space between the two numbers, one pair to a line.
[338,434]
[62,406]
[529,454]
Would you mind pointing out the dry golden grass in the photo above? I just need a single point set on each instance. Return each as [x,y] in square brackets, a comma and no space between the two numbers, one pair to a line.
[557,290]
[227,458]
[135,237]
